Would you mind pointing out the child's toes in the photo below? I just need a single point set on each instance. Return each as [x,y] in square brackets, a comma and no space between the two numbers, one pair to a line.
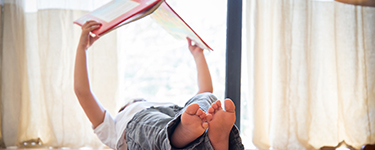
[211,110]
[208,117]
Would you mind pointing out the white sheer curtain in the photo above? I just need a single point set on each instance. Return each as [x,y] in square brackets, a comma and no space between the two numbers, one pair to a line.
[312,66]
[37,70]
[137,60]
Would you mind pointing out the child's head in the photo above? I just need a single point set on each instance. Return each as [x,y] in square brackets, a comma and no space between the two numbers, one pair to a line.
[131,102]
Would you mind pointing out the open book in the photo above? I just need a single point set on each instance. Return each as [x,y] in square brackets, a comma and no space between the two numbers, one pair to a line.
[121,12]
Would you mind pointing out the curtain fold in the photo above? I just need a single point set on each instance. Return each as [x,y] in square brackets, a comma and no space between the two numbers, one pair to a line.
[313,73]
[38,102]
[13,64]
[2,145]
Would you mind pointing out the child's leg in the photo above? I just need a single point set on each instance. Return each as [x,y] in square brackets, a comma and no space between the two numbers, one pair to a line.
[147,129]
[221,123]
[153,128]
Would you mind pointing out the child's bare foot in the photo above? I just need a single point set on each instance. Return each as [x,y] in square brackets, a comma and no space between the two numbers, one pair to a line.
[221,122]
[192,126]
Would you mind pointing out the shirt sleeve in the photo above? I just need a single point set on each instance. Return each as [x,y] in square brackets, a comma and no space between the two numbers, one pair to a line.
[106,131]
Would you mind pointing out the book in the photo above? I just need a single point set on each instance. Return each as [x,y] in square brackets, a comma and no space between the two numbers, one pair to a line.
[168,19]
[121,12]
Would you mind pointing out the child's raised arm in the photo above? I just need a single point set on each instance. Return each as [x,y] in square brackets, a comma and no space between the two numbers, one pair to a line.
[93,109]
[204,76]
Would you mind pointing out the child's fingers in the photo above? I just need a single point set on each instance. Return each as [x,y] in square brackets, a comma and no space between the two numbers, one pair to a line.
[94,24]
[94,27]
[91,22]
[91,25]
[189,41]
[191,46]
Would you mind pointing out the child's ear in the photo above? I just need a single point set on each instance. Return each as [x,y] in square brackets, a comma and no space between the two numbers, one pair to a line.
[133,101]
[123,107]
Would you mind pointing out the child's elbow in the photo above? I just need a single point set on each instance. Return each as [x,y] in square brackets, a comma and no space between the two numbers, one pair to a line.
[81,92]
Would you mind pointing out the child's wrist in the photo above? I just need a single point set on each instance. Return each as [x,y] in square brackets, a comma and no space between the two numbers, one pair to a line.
[82,47]
[198,56]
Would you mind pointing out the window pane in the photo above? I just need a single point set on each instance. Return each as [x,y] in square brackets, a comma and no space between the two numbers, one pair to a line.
[158,67]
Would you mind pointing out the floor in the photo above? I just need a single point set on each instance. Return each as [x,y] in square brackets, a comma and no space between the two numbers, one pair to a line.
[16,148]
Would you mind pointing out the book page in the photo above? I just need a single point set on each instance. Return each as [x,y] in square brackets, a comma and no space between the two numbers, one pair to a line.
[114,9]
[139,15]
[174,25]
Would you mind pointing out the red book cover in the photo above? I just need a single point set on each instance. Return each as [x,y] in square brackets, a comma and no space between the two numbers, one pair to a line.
[116,12]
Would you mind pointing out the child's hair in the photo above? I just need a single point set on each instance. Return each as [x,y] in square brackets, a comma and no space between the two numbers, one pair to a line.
[133,101]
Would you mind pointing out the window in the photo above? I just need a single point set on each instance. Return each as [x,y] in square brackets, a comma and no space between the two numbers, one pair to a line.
[158,67]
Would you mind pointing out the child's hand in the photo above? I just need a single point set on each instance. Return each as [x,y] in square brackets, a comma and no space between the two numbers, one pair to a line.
[194,49]
[86,39]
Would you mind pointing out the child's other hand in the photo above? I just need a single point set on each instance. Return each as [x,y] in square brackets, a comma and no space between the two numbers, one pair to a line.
[194,49]
[86,39]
